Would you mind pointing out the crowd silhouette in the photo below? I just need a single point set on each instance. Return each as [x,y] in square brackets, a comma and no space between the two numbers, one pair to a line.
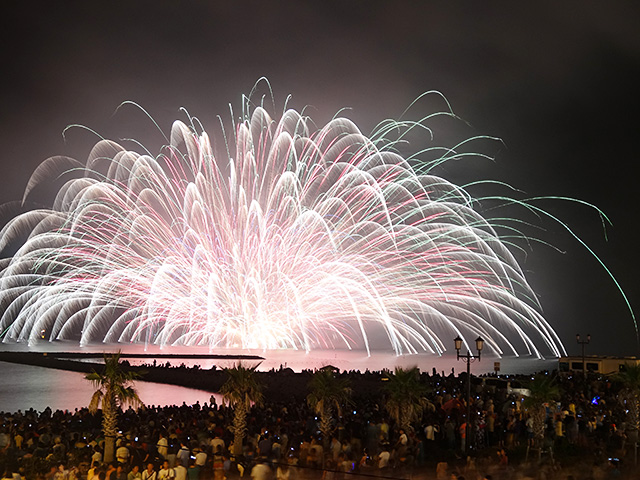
[588,433]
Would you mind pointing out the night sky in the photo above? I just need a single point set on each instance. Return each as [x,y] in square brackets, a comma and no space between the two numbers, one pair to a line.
[558,83]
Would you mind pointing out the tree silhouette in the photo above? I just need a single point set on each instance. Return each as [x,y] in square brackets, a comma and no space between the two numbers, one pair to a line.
[241,390]
[630,380]
[405,396]
[114,389]
[328,394]
[543,389]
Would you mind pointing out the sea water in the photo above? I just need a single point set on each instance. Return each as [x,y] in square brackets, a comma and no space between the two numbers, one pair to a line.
[23,386]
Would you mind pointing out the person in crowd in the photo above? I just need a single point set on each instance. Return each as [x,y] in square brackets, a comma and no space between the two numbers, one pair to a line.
[184,454]
[150,472]
[181,472]
[166,472]
[134,473]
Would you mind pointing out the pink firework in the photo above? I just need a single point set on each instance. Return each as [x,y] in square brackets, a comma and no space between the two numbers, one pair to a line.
[299,240]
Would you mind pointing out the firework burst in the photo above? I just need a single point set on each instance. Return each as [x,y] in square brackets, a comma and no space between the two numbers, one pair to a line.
[299,239]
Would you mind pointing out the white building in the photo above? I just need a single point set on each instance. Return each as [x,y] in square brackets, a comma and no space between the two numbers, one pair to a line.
[595,363]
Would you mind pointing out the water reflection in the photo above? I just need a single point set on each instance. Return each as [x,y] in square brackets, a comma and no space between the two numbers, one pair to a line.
[25,386]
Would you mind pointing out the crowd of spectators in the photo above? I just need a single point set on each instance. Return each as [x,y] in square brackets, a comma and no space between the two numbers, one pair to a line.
[586,430]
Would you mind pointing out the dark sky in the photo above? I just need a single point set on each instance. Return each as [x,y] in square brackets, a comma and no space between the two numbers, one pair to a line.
[556,81]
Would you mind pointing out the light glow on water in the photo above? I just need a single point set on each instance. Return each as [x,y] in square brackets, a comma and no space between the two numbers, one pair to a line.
[26,386]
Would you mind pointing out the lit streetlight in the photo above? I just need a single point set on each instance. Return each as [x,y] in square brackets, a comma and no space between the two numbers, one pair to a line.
[468,357]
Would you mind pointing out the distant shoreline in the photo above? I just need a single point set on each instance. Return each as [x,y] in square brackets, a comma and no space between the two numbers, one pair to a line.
[280,385]
[211,356]
[202,379]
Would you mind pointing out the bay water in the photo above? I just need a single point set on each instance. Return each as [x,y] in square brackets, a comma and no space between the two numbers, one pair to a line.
[24,386]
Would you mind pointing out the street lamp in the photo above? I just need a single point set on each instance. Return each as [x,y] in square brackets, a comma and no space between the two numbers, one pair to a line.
[468,358]
[583,343]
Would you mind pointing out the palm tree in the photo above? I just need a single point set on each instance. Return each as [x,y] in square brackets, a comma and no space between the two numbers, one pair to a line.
[241,390]
[630,379]
[405,397]
[328,394]
[113,390]
[543,389]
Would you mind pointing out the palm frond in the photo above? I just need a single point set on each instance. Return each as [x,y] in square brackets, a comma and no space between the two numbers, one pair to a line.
[242,387]
[406,396]
[94,403]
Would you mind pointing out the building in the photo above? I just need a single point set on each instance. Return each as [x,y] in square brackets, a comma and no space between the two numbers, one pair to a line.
[596,363]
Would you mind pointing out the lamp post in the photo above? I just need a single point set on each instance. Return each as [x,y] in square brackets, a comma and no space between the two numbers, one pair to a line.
[468,357]
[583,343]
